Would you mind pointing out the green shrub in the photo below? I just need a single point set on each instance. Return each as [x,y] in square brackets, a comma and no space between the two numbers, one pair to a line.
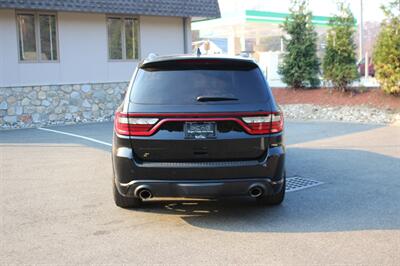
[300,65]
[387,50]
[340,63]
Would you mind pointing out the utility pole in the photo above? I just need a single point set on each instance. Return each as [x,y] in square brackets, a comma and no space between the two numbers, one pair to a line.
[361,32]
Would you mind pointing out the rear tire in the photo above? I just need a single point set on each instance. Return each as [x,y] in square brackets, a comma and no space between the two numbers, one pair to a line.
[275,199]
[125,202]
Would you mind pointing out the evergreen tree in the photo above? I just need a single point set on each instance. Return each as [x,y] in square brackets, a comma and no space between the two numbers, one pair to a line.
[300,65]
[387,50]
[340,64]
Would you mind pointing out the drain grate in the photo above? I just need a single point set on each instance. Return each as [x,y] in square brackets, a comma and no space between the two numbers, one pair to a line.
[296,183]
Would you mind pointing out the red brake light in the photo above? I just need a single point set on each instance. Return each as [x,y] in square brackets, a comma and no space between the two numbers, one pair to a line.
[277,122]
[266,124]
[133,126]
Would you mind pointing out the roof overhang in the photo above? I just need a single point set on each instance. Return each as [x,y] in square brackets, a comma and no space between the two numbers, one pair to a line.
[199,9]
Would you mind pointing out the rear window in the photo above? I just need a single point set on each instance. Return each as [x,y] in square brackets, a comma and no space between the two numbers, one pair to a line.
[179,85]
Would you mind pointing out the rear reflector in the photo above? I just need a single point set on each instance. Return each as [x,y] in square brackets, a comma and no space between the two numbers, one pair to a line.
[133,126]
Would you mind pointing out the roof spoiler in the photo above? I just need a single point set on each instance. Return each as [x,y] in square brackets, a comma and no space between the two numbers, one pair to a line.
[198,63]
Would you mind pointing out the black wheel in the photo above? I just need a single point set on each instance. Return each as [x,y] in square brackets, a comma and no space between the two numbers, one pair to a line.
[124,202]
[276,199]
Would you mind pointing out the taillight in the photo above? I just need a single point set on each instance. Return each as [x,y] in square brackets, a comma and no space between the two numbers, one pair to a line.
[269,123]
[146,124]
[277,122]
[133,126]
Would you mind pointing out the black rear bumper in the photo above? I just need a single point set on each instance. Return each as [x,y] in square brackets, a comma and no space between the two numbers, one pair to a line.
[200,189]
[198,179]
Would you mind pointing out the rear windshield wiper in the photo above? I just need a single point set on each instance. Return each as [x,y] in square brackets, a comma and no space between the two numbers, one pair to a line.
[214,99]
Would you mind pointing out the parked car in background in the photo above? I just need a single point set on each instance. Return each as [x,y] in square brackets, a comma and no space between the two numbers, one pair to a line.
[195,126]
[361,67]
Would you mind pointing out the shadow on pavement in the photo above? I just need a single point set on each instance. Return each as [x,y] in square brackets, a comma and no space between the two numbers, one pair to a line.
[299,131]
[360,192]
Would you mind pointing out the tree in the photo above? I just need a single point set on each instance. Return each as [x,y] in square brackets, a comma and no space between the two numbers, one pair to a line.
[387,50]
[340,63]
[300,65]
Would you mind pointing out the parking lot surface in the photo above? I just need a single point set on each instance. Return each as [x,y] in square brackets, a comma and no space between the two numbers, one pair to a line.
[57,207]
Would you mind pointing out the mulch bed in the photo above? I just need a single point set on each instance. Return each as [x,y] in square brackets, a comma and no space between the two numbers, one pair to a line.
[327,97]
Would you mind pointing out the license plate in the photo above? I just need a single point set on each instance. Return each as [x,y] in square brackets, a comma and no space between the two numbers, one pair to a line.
[204,130]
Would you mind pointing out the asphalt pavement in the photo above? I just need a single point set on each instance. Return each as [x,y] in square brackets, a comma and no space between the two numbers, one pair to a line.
[57,207]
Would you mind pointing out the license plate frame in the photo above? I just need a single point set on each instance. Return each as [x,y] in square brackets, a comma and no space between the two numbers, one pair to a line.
[200,130]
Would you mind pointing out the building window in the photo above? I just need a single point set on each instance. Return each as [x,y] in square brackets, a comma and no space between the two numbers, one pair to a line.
[122,38]
[37,36]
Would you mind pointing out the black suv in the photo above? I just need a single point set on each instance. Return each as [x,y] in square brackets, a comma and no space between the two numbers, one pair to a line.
[198,127]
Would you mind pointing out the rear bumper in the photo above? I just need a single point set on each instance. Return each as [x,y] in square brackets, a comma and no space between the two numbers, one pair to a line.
[200,189]
[198,179]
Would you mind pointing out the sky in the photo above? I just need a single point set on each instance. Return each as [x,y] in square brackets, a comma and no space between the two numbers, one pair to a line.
[372,11]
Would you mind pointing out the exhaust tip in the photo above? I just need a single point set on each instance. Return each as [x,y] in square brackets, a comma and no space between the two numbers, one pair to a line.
[145,194]
[256,191]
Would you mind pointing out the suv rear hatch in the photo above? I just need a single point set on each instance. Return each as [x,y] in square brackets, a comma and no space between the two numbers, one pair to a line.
[192,110]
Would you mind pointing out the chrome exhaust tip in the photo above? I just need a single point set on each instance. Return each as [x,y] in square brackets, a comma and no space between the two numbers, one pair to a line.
[144,194]
[256,191]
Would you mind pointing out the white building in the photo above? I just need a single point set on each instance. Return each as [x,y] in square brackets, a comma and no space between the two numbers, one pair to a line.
[70,60]
[255,33]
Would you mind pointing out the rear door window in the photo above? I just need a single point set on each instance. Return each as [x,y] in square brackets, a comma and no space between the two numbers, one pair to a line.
[183,86]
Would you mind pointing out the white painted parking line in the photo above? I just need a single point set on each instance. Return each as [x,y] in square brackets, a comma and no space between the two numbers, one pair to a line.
[76,136]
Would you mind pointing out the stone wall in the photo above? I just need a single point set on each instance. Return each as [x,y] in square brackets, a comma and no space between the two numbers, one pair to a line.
[32,106]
